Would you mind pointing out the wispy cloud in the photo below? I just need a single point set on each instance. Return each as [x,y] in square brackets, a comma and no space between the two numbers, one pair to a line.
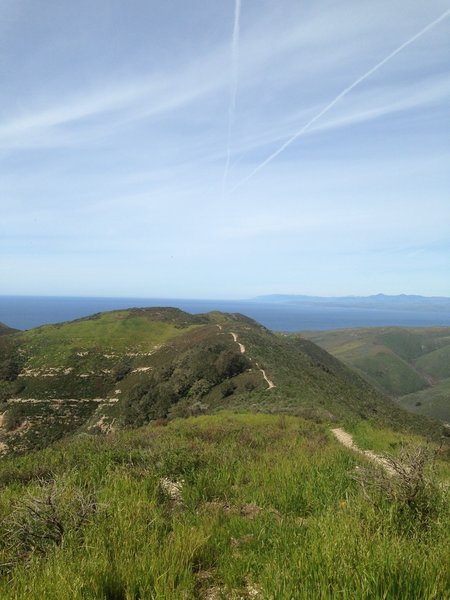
[113,135]
[233,88]
[341,95]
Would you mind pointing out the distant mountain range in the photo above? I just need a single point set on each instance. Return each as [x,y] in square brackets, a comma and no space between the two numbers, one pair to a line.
[381,301]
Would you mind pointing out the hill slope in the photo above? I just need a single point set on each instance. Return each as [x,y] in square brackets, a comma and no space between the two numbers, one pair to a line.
[411,365]
[126,368]
[5,330]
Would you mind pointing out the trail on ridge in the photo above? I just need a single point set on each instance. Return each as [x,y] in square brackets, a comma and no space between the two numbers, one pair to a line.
[347,440]
[270,383]
[241,346]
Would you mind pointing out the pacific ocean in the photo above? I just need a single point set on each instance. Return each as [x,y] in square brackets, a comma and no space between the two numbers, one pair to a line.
[25,312]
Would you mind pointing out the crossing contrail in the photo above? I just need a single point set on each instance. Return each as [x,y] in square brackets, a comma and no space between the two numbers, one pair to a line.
[348,89]
[233,87]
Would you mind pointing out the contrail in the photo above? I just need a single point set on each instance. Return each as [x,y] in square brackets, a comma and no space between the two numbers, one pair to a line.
[339,97]
[234,86]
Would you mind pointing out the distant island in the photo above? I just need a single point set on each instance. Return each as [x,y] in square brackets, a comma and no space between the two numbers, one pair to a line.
[381,301]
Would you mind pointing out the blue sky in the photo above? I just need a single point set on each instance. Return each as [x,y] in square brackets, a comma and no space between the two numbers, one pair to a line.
[114,122]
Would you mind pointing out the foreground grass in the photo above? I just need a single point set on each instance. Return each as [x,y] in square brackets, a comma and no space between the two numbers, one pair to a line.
[261,507]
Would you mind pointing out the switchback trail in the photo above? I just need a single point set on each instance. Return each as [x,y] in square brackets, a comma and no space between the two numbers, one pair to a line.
[270,383]
[241,346]
[347,440]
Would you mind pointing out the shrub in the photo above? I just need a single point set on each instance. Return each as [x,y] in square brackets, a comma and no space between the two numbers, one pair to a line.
[15,416]
[121,370]
[227,389]
[9,369]
[44,518]
[199,388]
[407,483]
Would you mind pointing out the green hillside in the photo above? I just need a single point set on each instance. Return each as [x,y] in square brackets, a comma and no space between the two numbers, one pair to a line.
[432,401]
[5,330]
[127,368]
[407,364]
[234,507]
[436,364]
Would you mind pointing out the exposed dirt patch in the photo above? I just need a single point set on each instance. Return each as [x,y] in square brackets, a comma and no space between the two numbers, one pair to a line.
[173,489]
[104,425]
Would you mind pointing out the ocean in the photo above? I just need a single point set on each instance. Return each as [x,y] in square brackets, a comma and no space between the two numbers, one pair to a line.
[25,312]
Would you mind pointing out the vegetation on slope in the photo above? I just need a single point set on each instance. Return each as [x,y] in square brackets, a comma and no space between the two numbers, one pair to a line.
[5,330]
[249,506]
[126,368]
[432,401]
[407,364]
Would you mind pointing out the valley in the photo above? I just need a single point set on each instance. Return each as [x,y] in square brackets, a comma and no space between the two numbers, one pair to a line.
[410,365]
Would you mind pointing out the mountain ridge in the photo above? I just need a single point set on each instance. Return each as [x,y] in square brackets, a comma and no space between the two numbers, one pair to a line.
[127,368]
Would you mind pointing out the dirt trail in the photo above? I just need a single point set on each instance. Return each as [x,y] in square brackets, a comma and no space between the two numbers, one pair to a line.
[347,440]
[270,383]
[241,346]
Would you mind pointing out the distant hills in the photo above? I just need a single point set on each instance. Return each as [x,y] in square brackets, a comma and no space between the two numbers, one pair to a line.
[411,365]
[398,302]
[129,367]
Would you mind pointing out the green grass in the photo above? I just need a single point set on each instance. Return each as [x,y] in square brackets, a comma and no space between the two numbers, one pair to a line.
[267,503]
[388,441]
[380,440]
[437,363]
[389,372]
[119,331]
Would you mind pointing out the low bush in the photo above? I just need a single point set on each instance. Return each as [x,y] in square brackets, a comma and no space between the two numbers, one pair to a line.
[43,518]
[407,483]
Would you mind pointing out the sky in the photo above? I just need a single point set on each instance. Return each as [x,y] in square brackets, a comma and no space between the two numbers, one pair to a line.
[134,138]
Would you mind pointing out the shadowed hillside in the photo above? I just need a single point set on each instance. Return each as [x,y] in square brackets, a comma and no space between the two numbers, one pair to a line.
[5,330]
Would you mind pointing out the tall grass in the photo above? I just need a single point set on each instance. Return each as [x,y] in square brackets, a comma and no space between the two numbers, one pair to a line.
[266,509]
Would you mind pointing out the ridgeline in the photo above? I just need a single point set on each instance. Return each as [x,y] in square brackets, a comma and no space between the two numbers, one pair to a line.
[127,368]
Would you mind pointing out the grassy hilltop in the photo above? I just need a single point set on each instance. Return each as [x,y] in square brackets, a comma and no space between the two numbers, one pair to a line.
[126,368]
[411,365]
